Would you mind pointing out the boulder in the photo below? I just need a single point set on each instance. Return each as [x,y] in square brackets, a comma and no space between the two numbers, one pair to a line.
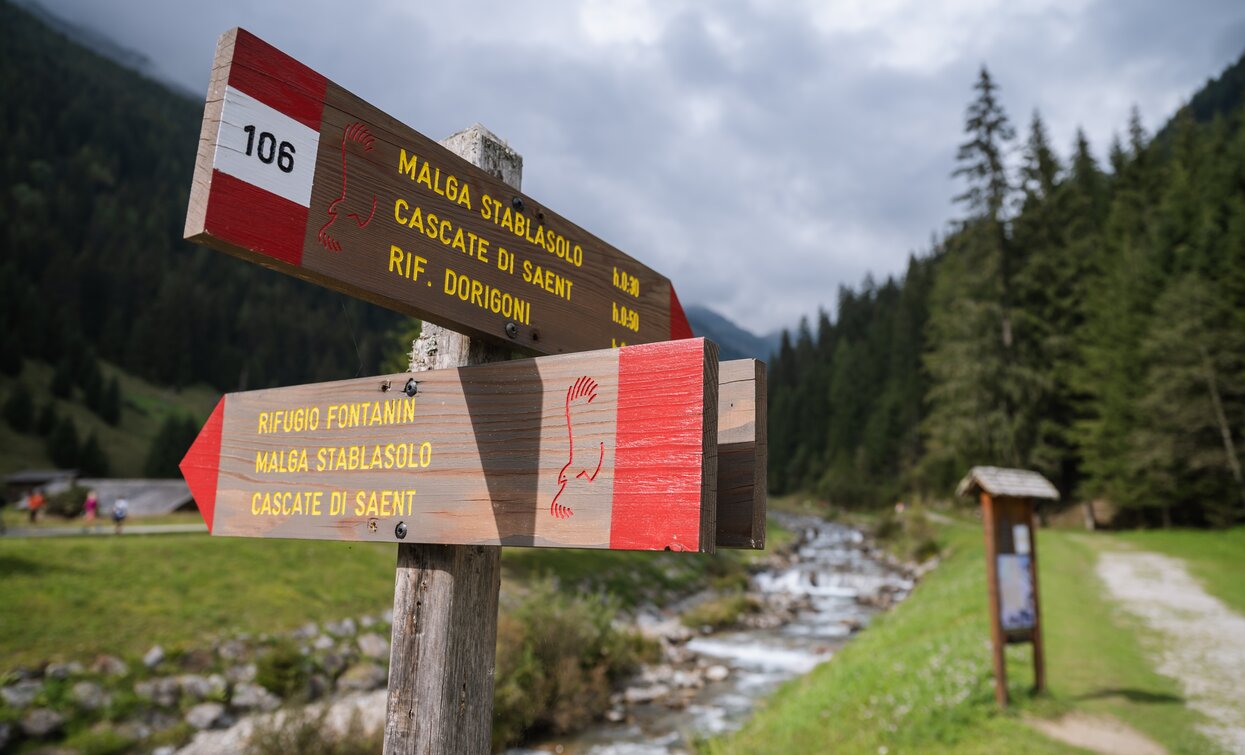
[42,723]
[110,665]
[343,628]
[248,696]
[22,694]
[89,696]
[717,673]
[205,715]
[323,642]
[242,673]
[372,645]
[153,657]
[197,688]
[63,670]
[163,691]
[332,663]
[635,695]
[362,677]
[318,686]
[306,631]
[232,650]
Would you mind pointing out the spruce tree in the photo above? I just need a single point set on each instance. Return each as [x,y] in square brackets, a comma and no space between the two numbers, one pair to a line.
[1193,407]
[19,408]
[92,460]
[978,385]
[62,444]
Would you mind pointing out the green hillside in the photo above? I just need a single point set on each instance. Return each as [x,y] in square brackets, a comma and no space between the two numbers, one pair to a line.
[144,410]
[113,325]
[96,173]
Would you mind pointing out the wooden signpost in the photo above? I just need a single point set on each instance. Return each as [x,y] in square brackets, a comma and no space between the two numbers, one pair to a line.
[624,448]
[606,449]
[298,174]
[1007,513]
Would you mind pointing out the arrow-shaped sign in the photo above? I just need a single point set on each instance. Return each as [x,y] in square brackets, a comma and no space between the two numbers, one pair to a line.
[298,174]
[606,449]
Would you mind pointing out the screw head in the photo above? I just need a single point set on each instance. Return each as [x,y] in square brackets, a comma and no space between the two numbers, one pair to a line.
[411,387]
[512,330]
[400,531]
[517,203]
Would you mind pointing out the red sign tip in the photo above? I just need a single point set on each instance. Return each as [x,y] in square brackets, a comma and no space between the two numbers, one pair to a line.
[201,465]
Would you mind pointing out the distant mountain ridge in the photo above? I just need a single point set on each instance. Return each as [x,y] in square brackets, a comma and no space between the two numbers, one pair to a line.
[733,341]
[102,45]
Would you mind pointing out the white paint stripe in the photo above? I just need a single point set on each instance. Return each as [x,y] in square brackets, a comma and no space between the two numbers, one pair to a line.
[247,123]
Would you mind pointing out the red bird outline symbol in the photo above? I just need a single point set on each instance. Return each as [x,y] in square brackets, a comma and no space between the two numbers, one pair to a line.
[581,392]
[355,133]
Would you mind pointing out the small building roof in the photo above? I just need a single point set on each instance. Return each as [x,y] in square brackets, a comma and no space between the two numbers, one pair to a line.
[1001,481]
[38,477]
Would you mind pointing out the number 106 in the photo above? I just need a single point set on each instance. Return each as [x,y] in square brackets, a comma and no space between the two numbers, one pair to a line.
[267,150]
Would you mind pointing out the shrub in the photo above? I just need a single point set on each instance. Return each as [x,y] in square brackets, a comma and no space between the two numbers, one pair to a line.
[19,409]
[720,612]
[283,670]
[68,503]
[557,657]
[304,733]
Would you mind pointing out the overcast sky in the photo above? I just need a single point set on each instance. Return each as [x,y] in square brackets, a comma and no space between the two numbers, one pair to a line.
[760,154]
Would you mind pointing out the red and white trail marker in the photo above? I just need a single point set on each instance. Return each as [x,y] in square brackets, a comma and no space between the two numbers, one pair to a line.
[297,174]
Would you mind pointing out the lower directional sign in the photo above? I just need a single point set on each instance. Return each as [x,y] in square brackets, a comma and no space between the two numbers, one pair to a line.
[606,449]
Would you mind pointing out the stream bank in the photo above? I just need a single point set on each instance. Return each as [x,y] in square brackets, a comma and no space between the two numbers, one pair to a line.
[810,601]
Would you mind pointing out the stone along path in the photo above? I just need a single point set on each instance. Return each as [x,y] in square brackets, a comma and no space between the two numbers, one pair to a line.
[1202,640]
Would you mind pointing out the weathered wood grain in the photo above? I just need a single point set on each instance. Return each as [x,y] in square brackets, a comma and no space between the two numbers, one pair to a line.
[396,219]
[443,649]
[742,454]
[615,448]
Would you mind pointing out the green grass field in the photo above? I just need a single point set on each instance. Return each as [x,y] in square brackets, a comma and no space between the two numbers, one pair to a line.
[74,597]
[920,678]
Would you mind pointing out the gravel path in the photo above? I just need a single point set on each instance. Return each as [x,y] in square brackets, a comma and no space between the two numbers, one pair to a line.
[1203,641]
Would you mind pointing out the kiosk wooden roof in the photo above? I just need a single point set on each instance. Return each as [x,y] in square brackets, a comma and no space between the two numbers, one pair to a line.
[1001,481]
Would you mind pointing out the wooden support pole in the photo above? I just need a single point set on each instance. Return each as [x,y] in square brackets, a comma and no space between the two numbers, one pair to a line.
[1039,661]
[998,641]
[444,647]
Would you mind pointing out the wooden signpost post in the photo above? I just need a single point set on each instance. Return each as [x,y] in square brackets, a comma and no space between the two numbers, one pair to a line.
[297,174]
[608,449]
[1007,513]
[604,449]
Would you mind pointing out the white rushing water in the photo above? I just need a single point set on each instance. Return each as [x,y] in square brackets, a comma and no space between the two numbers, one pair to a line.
[838,587]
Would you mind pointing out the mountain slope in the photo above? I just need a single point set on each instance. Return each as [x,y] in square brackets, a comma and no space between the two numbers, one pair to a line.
[733,341]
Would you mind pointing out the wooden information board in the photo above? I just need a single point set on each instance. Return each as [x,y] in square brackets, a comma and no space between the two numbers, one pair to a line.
[609,449]
[297,174]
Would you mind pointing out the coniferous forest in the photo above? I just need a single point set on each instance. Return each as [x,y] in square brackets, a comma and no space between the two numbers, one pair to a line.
[96,175]
[1083,320]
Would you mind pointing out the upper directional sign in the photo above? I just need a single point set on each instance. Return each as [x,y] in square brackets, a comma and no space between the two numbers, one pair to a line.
[297,174]
[615,448]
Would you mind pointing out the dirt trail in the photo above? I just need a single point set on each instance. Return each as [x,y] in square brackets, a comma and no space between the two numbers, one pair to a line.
[1202,640]
[1100,734]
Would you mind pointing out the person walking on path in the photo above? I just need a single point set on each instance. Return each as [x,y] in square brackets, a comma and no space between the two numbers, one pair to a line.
[90,508]
[120,510]
[34,503]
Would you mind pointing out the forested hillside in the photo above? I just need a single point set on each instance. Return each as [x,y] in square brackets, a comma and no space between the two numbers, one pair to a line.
[95,172]
[1080,319]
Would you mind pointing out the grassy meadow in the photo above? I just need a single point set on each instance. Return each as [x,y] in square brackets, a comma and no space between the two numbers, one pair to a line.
[74,597]
[920,679]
